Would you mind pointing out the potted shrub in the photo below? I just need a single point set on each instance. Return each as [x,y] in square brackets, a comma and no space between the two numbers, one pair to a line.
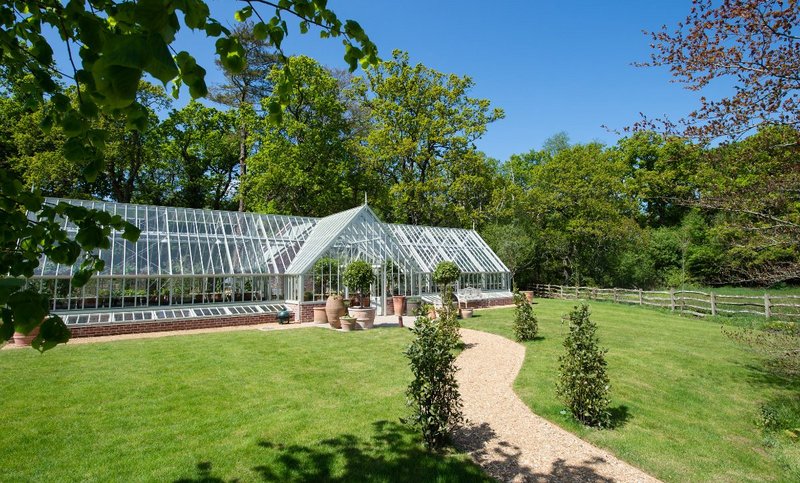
[357,277]
[348,323]
[412,305]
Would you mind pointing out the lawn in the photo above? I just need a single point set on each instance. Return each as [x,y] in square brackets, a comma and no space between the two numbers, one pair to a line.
[300,405]
[685,398]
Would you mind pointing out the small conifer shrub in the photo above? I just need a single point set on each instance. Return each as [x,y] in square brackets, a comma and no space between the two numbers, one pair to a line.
[583,384]
[433,394]
[525,324]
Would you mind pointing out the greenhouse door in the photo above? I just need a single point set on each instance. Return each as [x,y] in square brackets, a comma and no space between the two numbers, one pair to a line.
[377,291]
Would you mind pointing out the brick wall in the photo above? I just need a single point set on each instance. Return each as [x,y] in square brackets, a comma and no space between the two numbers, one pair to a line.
[168,325]
[305,311]
[486,303]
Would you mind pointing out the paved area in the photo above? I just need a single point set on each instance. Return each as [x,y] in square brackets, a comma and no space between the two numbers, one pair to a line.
[506,438]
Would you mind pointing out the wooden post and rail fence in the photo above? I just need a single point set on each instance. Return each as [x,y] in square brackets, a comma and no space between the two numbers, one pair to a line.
[685,301]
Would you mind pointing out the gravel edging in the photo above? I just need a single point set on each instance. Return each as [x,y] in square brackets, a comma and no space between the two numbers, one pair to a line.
[509,441]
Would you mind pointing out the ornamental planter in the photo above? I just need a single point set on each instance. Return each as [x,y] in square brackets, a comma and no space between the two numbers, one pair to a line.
[364,315]
[528,295]
[466,313]
[348,323]
[320,316]
[399,304]
[334,308]
[25,340]
[412,306]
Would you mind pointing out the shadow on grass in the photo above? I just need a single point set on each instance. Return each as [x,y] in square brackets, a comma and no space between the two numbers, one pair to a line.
[203,475]
[504,461]
[619,416]
[391,453]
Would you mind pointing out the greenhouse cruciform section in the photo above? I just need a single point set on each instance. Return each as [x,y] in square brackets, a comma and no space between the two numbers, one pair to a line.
[241,268]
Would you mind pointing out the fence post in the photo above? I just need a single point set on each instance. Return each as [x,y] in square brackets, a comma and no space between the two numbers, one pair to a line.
[577,294]
[561,291]
[641,301]
[615,295]
[672,300]
[713,304]
[767,306]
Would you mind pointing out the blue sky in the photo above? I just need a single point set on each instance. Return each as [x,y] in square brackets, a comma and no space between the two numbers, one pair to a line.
[552,66]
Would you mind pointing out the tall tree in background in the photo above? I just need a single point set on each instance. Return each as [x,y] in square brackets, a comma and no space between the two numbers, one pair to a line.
[423,122]
[244,90]
[127,151]
[751,43]
[309,165]
[199,158]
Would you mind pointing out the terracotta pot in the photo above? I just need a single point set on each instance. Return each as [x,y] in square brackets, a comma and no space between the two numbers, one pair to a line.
[334,308]
[399,303]
[528,295]
[347,323]
[364,315]
[22,340]
[320,316]
[389,309]
[411,307]
[466,313]
[432,313]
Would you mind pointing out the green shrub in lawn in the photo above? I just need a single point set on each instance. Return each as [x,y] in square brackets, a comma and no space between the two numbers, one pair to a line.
[583,383]
[448,318]
[433,393]
[525,324]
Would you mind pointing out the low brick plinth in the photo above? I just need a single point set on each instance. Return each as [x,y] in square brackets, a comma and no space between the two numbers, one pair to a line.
[170,325]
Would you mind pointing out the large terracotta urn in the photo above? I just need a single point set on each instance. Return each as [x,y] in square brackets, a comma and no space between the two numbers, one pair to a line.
[334,308]
[399,304]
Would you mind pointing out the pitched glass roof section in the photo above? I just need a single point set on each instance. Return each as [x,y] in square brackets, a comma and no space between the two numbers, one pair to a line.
[429,245]
[356,232]
[196,242]
[185,242]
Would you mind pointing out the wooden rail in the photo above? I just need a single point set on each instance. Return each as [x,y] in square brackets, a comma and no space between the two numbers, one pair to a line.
[686,301]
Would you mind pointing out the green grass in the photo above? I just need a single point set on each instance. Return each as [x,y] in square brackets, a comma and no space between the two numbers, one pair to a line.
[685,398]
[300,405]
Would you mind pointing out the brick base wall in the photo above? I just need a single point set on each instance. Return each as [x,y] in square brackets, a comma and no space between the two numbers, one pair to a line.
[305,311]
[486,303]
[169,325]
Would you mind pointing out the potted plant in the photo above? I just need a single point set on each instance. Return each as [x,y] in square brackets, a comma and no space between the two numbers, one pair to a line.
[348,323]
[412,305]
[358,276]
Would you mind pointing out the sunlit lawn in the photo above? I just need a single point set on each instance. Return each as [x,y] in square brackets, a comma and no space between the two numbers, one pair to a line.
[300,405]
[685,397]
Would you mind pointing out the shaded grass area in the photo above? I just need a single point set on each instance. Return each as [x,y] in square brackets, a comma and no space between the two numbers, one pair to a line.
[685,398]
[300,405]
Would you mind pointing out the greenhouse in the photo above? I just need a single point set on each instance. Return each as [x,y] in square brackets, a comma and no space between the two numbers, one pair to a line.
[191,263]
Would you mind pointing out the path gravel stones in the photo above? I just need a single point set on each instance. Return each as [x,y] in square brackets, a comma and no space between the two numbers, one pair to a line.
[504,437]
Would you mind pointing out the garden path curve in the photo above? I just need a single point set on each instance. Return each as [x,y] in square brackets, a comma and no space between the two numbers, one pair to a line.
[504,437]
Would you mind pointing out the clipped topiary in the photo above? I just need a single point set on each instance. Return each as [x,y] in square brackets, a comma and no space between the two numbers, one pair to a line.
[358,276]
[446,273]
[583,383]
[433,394]
[525,324]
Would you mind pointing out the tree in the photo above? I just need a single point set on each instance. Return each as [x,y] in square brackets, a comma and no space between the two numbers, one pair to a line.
[199,157]
[423,122]
[245,89]
[750,43]
[117,43]
[583,383]
[311,164]
[513,244]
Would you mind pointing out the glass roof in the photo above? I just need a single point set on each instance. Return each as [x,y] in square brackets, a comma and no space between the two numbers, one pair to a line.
[188,242]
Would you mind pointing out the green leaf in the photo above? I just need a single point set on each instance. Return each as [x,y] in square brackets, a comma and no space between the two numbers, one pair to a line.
[161,65]
[28,309]
[243,14]
[52,332]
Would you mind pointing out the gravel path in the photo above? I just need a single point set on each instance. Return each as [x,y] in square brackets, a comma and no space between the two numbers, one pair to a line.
[506,438]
